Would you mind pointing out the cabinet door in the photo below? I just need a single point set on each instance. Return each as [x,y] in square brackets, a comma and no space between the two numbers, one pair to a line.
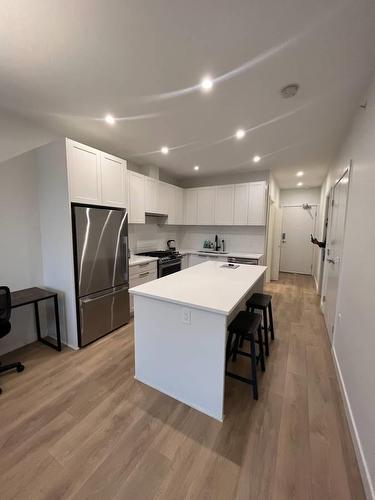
[205,205]
[190,206]
[84,173]
[151,195]
[137,198]
[196,259]
[171,197]
[257,204]
[113,175]
[179,205]
[241,202]
[163,193]
[224,205]
[141,279]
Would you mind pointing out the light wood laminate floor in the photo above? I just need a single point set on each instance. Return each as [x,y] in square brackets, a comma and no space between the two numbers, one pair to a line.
[76,425]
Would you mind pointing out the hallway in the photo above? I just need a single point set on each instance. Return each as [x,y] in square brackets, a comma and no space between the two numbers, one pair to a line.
[293,443]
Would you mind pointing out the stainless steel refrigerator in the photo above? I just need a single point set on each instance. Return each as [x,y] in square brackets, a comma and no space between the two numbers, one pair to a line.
[100,238]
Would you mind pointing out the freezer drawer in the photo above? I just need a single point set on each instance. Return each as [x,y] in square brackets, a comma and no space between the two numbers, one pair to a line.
[102,312]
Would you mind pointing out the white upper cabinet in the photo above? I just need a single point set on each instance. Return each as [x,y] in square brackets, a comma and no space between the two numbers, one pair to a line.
[163,193]
[114,180]
[190,206]
[171,206]
[224,205]
[206,206]
[257,204]
[241,202]
[179,205]
[151,195]
[83,173]
[136,198]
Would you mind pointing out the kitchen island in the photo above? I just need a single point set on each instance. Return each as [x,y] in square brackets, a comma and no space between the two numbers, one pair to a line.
[180,330]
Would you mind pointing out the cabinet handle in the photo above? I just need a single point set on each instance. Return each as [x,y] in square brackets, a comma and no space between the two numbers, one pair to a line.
[144,274]
[143,265]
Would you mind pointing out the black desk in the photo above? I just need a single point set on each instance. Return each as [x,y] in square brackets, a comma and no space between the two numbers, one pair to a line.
[34,296]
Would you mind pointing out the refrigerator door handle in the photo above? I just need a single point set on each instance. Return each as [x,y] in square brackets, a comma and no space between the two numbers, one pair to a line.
[87,300]
[125,259]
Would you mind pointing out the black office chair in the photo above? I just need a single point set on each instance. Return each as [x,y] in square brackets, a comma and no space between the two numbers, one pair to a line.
[5,326]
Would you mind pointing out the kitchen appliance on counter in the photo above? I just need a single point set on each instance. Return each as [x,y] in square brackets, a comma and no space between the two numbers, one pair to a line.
[101,264]
[171,244]
[169,261]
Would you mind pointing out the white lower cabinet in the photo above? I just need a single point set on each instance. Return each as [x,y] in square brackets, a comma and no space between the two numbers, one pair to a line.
[196,259]
[140,274]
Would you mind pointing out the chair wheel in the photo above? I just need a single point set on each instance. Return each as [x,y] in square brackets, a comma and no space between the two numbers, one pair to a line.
[20,368]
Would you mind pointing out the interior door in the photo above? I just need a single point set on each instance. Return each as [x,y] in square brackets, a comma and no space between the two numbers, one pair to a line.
[297,251]
[335,240]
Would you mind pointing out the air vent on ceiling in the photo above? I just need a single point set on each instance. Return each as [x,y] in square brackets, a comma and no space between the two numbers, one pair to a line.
[289,90]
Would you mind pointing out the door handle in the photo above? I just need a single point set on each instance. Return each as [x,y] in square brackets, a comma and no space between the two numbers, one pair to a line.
[331,261]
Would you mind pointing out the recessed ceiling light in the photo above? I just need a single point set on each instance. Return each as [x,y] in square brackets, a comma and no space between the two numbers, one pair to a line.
[299,184]
[240,134]
[110,119]
[256,158]
[165,150]
[300,173]
[196,167]
[206,84]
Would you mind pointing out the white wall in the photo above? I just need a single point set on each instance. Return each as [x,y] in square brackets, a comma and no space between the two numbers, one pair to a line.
[299,196]
[20,251]
[219,180]
[354,339]
[18,135]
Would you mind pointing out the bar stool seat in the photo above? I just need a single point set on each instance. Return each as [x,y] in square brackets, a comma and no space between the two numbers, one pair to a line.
[246,326]
[263,302]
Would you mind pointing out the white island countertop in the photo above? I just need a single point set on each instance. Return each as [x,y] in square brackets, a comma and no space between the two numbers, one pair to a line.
[208,286]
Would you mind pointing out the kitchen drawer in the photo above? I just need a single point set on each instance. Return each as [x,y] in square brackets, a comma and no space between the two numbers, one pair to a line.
[138,269]
[140,279]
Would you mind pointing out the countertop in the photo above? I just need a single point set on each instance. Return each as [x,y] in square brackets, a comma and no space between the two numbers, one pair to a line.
[229,254]
[206,286]
[140,259]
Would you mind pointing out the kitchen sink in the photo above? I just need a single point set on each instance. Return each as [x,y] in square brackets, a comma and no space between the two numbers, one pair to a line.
[213,251]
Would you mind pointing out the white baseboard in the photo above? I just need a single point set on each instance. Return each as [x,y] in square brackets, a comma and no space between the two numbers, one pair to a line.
[365,474]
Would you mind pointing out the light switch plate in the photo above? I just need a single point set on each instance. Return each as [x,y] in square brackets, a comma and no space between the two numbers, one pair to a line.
[186,316]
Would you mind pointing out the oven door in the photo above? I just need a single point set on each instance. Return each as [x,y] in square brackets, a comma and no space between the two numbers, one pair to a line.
[173,266]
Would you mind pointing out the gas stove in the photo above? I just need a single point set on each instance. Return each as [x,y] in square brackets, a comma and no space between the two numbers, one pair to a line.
[168,261]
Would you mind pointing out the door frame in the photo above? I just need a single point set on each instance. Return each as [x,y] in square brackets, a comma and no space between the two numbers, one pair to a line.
[348,170]
[300,205]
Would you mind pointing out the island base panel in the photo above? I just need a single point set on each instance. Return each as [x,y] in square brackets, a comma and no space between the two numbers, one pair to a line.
[185,360]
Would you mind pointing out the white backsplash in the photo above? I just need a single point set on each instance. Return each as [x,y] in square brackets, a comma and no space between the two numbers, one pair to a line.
[151,236]
[237,238]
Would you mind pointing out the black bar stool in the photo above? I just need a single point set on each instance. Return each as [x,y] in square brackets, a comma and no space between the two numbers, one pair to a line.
[246,326]
[263,302]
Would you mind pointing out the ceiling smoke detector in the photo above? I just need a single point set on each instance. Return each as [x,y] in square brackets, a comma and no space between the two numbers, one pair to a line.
[289,90]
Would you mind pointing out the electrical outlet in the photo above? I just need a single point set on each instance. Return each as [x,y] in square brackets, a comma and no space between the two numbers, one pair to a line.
[186,316]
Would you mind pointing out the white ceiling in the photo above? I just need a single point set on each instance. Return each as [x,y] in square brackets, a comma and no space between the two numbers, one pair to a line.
[65,64]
